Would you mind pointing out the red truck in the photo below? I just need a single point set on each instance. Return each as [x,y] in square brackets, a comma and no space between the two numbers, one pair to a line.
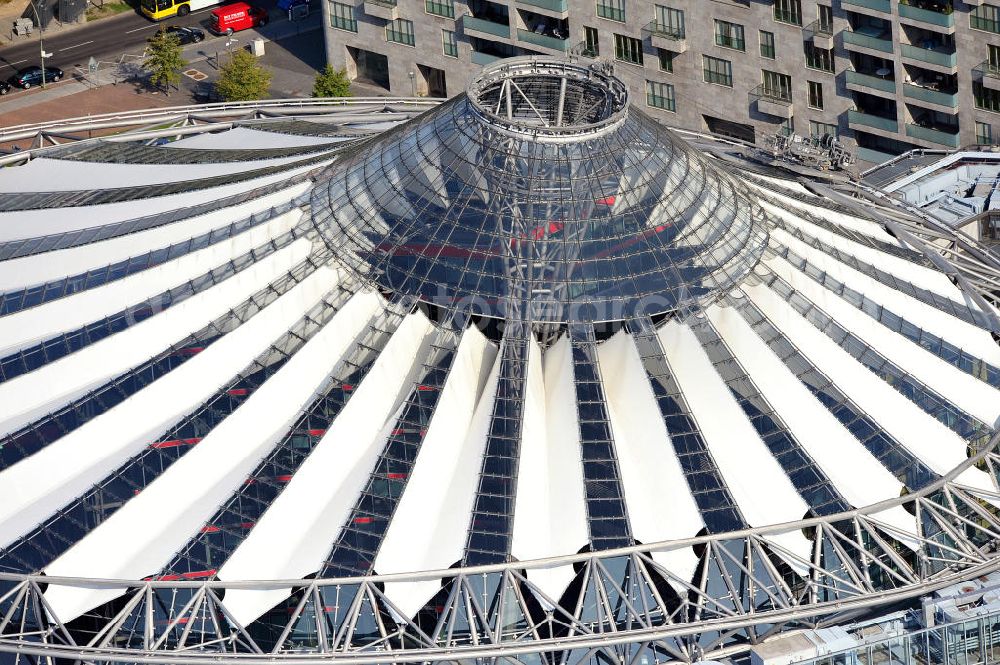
[235,17]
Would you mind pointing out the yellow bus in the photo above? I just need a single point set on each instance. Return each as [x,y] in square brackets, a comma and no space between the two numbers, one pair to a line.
[161,9]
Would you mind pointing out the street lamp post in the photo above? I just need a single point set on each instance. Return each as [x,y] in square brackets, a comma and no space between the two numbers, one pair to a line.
[413,90]
[41,44]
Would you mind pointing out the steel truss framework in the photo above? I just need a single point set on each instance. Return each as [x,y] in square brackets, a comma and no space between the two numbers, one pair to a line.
[624,606]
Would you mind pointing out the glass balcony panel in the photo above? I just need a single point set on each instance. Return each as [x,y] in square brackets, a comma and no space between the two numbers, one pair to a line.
[928,55]
[867,41]
[932,135]
[927,16]
[483,58]
[868,120]
[869,81]
[877,5]
[928,95]
[545,41]
[482,25]
[551,5]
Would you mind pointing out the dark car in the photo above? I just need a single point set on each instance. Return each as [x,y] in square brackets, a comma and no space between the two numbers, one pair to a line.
[186,35]
[4,87]
[30,76]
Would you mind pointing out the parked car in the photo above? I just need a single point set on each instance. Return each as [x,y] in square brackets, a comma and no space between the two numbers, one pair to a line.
[4,87]
[186,35]
[235,17]
[30,76]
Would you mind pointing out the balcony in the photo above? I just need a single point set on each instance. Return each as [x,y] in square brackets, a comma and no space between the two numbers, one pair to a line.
[487,29]
[927,18]
[820,33]
[666,37]
[867,41]
[383,9]
[481,58]
[930,95]
[874,5]
[990,73]
[930,56]
[772,101]
[872,121]
[560,44]
[869,83]
[557,6]
[932,135]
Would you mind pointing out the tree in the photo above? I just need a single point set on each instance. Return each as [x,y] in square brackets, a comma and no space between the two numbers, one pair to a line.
[163,60]
[243,79]
[332,83]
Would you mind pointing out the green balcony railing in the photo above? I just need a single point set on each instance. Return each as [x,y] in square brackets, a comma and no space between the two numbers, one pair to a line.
[661,30]
[873,156]
[483,58]
[867,41]
[989,69]
[932,96]
[868,120]
[545,41]
[869,81]
[932,135]
[929,55]
[877,5]
[551,5]
[927,16]
[482,25]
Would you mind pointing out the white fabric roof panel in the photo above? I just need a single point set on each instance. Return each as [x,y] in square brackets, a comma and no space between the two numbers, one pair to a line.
[659,502]
[452,449]
[245,138]
[299,528]
[29,326]
[965,391]
[964,335]
[550,513]
[37,486]
[918,275]
[143,535]
[30,396]
[22,224]
[756,481]
[49,266]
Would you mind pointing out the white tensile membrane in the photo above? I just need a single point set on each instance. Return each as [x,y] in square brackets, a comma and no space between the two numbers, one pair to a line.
[758,484]
[301,525]
[49,266]
[30,396]
[660,505]
[550,512]
[29,326]
[35,487]
[429,528]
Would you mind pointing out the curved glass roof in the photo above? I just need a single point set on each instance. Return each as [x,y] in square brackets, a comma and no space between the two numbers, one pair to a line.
[590,212]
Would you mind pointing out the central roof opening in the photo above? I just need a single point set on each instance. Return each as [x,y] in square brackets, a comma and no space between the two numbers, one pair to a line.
[549,99]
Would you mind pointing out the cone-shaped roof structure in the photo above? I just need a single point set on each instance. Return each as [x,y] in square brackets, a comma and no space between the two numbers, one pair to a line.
[541,185]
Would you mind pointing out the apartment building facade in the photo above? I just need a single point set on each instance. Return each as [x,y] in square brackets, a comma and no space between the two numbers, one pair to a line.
[884,76]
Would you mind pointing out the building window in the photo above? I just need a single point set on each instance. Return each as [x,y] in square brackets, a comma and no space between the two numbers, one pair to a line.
[787,127]
[984,133]
[613,10]
[985,17]
[815,95]
[670,21]
[986,99]
[825,17]
[342,17]
[666,60]
[766,44]
[818,130]
[993,56]
[400,31]
[818,58]
[729,35]
[444,8]
[788,11]
[628,49]
[718,71]
[776,85]
[591,42]
[660,95]
[448,43]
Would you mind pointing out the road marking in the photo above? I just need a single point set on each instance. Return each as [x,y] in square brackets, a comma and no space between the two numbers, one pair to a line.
[11,64]
[78,45]
[145,27]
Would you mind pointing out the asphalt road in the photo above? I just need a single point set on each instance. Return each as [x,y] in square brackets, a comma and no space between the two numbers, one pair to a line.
[106,39]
